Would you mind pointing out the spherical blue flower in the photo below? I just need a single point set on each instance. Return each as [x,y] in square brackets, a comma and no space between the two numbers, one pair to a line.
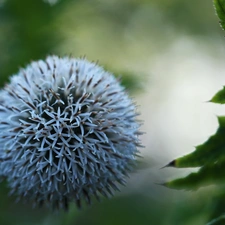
[68,131]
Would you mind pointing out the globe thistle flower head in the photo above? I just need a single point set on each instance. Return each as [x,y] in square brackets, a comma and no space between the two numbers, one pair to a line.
[68,131]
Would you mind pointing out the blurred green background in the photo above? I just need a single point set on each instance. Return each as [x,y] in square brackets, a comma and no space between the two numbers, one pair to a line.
[170,55]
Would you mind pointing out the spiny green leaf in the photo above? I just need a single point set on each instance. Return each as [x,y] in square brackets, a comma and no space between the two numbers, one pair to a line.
[208,153]
[219,97]
[210,156]
[207,175]
[220,9]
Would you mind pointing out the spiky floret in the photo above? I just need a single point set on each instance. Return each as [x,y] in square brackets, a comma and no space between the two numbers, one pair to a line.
[68,131]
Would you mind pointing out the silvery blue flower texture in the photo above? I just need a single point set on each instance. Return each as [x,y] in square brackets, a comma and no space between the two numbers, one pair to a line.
[68,132]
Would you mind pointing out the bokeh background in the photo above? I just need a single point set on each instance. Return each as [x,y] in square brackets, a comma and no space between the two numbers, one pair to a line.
[170,56]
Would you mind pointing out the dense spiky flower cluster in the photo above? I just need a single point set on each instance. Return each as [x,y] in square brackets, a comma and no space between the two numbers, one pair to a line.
[68,132]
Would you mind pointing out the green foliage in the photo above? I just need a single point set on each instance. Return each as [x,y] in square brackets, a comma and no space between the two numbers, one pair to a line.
[220,9]
[209,157]
[209,153]
[30,34]
[219,97]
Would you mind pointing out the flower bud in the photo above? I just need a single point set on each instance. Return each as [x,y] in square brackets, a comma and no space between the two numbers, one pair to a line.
[68,132]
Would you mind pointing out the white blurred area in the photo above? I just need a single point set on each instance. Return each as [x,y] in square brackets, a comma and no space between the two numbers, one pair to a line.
[175,111]
[174,105]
